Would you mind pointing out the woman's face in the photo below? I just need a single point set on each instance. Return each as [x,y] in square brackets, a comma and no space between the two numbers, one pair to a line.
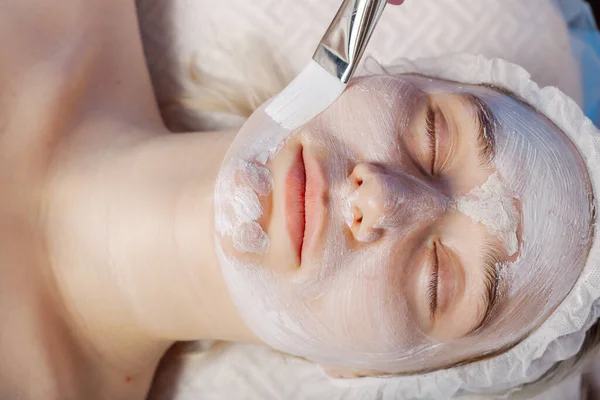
[414,224]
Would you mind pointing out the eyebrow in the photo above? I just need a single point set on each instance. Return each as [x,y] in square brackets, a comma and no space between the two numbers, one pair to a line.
[492,260]
[486,123]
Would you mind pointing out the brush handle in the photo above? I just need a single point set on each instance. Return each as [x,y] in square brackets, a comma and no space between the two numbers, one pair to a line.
[344,43]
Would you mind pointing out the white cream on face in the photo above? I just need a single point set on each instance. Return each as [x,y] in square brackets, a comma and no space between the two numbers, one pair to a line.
[283,313]
[493,205]
[349,306]
[241,184]
[239,220]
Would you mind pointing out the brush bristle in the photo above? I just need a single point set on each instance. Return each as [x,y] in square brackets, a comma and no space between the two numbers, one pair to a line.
[309,94]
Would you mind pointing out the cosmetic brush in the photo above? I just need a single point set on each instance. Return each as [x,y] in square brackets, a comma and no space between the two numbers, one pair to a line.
[334,62]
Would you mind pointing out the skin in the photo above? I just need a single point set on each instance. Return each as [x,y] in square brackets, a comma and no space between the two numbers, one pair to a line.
[106,238]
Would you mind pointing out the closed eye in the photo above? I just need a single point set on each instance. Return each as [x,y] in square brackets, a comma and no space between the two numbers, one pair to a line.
[432,288]
[431,133]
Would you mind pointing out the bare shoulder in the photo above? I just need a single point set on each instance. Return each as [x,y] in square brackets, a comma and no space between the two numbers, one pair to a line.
[60,52]
[48,21]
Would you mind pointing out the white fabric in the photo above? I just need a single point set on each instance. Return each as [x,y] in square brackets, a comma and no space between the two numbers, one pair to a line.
[241,371]
[530,33]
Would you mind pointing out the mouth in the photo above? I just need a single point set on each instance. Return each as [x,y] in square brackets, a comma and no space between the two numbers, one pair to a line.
[295,203]
[305,202]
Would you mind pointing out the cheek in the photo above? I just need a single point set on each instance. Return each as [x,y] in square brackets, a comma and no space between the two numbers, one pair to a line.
[351,314]
[369,302]
[370,123]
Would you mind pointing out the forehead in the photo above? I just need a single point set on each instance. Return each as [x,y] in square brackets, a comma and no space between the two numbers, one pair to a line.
[383,91]
[390,84]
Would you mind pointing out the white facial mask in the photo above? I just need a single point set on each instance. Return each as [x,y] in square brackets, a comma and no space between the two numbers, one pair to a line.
[241,184]
[352,303]
[493,205]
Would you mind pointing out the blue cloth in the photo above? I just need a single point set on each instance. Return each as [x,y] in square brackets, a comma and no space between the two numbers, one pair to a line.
[585,42]
[586,47]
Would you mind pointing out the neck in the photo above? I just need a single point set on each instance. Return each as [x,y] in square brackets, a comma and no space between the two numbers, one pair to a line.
[152,276]
[180,293]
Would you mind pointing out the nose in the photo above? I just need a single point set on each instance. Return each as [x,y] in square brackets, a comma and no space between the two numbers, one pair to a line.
[381,199]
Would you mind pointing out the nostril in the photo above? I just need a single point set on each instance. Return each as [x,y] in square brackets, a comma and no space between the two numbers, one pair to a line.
[355,182]
[358,174]
[358,215]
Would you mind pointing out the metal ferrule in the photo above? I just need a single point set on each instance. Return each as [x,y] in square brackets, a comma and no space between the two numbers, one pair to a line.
[346,38]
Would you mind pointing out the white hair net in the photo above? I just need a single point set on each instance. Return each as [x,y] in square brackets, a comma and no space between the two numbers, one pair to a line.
[562,334]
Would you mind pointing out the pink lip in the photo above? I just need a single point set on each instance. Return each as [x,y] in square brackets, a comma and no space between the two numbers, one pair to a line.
[305,202]
[315,200]
[295,212]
